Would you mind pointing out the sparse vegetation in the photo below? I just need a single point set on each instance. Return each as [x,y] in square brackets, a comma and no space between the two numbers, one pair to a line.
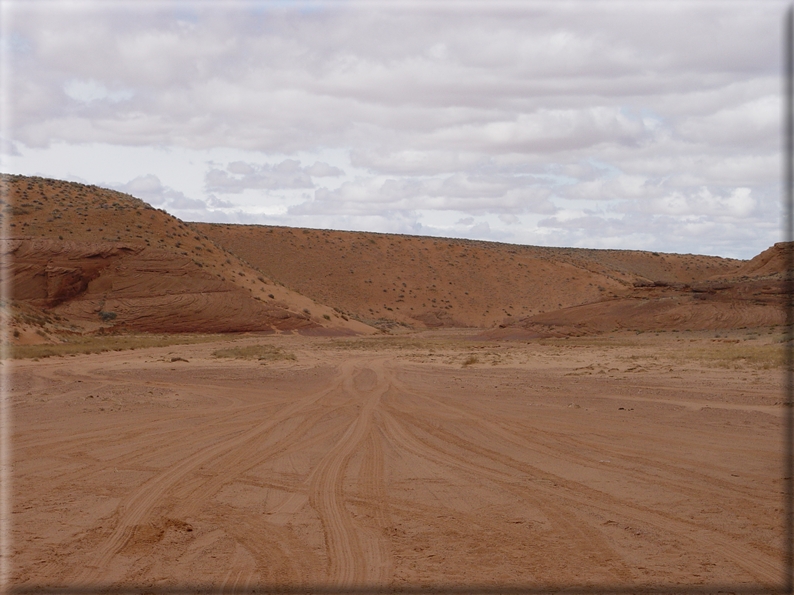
[100,344]
[735,356]
[257,352]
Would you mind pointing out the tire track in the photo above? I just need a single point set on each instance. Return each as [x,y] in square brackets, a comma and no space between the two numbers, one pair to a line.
[354,556]
[583,542]
[756,564]
[351,452]
[139,504]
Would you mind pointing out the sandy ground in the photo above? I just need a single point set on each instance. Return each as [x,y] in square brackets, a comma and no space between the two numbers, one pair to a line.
[387,461]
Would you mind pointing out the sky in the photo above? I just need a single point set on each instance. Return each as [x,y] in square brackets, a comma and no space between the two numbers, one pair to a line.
[634,125]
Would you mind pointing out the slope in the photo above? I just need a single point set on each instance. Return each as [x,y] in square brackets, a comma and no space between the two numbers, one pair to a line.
[750,296]
[429,282]
[82,258]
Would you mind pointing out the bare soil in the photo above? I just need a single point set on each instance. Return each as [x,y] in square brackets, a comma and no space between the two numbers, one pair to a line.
[425,459]
[384,279]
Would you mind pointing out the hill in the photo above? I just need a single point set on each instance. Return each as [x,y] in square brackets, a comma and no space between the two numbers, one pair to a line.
[431,282]
[750,296]
[81,258]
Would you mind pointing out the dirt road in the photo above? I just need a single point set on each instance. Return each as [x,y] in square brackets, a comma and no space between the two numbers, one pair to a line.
[352,466]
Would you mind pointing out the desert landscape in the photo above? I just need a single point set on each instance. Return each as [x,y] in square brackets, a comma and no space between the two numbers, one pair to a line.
[250,408]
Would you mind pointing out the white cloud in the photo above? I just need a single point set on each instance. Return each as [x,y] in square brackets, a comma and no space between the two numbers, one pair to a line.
[739,204]
[323,170]
[8,147]
[218,203]
[755,122]
[150,189]
[91,90]
[241,176]
[458,192]
[289,173]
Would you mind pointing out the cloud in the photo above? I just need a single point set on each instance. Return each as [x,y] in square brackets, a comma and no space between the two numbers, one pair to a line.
[509,219]
[323,170]
[705,223]
[150,189]
[239,176]
[459,192]
[481,229]
[533,78]
[754,123]
[91,90]
[415,162]
[217,203]
[8,147]
[241,168]
[738,204]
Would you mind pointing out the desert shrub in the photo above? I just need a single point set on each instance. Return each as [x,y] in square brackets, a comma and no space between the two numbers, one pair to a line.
[107,316]
[326,317]
[472,359]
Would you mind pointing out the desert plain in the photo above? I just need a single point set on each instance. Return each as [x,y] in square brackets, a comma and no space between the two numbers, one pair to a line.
[248,408]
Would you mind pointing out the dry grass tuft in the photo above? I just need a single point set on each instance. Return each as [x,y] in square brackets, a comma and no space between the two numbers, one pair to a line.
[257,352]
[472,359]
[405,343]
[735,356]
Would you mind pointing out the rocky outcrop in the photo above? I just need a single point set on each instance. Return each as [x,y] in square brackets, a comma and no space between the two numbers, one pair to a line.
[135,287]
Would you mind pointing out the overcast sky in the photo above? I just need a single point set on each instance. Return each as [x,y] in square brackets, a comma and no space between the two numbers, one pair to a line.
[645,125]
